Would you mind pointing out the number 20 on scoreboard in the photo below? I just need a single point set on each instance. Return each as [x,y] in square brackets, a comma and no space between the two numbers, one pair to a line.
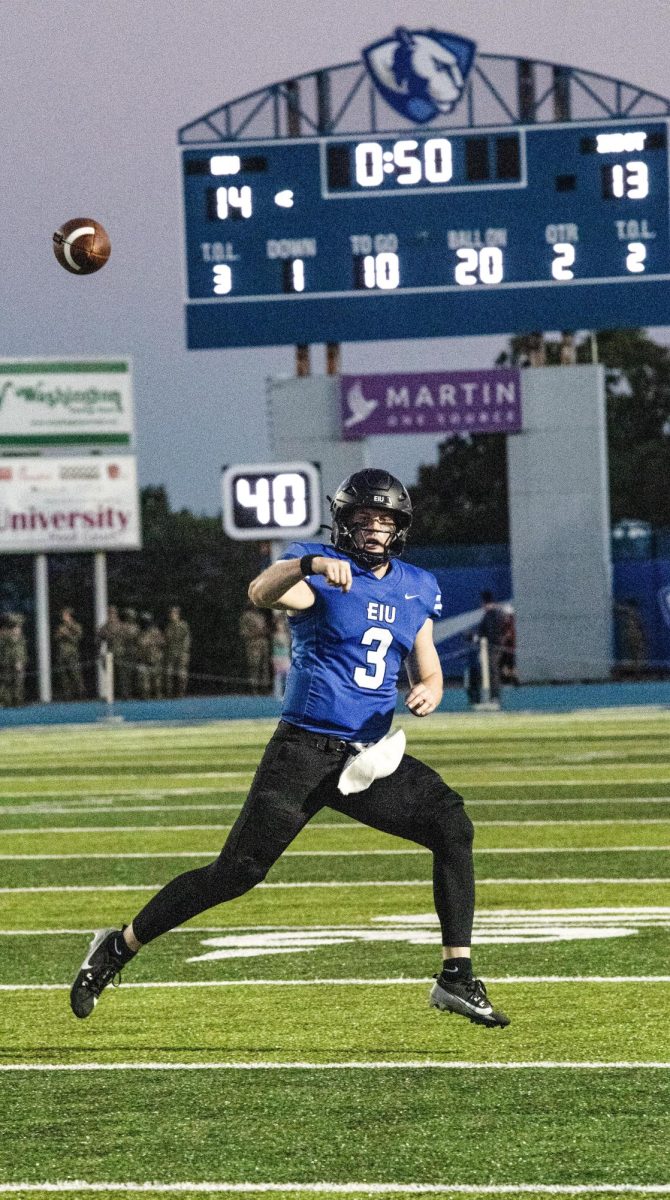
[271,500]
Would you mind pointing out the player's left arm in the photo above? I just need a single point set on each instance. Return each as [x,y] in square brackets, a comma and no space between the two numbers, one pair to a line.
[425,673]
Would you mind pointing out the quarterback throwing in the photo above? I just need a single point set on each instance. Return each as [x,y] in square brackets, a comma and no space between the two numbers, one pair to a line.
[357,614]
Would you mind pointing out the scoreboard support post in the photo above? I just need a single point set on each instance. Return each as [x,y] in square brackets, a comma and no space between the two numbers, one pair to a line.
[42,628]
[559,527]
[333,358]
[303,362]
[100,603]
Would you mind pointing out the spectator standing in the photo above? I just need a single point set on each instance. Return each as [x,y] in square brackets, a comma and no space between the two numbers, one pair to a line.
[492,627]
[150,646]
[177,653]
[109,638]
[6,668]
[473,671]
[126,655]
[536,350]
[632,637]
[508,671]
[567,352]
[68,660]
[254,634]
[281,653]
[20,657]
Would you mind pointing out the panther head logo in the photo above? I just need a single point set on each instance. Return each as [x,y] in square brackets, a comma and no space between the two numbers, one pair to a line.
[420,73]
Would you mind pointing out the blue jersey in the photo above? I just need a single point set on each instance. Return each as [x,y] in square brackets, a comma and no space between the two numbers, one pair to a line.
[347,648]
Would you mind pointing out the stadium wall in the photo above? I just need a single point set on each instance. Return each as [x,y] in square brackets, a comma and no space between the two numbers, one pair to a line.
[540,698]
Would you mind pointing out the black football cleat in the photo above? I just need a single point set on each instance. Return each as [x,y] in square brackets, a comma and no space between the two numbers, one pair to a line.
[468,998]
[99,968]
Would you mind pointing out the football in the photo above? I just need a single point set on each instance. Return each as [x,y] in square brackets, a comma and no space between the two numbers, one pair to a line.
[82,246]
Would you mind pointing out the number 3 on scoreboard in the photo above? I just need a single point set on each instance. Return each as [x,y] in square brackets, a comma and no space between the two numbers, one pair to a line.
[380,639]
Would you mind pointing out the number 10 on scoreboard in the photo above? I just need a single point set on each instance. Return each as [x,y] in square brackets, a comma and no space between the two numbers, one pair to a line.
[271,500]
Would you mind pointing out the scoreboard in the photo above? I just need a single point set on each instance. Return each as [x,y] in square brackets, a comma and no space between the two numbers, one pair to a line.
[427,233]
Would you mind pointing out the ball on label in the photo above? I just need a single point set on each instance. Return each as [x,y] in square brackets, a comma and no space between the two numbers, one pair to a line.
[82,245]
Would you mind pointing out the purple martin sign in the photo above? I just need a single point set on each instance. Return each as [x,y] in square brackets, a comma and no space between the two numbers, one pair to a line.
[431,402]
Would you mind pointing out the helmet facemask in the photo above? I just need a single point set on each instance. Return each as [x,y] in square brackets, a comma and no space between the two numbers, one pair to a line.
[351,533]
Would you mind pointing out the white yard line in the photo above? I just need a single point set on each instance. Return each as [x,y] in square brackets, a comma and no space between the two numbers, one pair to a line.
[581,821]
[72,810]
[79,776]
[152,793]
[135,854]
[571,800]
[350,883]
[13,784]
[353,1065]
[391,982]
[347,825]
[75,809]
[348,1189]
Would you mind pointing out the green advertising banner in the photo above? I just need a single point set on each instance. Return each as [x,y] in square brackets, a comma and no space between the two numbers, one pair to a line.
[77,402]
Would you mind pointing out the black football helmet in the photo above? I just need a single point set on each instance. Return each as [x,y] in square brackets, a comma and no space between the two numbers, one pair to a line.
[370,488]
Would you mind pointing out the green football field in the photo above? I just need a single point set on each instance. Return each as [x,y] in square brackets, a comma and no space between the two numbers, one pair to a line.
[282,1043]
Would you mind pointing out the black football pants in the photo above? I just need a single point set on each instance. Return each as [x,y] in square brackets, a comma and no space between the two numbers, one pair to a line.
[297,777]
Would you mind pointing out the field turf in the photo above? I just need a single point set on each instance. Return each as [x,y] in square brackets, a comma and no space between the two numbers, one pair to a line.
[282,1043]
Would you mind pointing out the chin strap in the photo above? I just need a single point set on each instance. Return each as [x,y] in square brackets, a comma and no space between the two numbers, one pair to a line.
[365,559]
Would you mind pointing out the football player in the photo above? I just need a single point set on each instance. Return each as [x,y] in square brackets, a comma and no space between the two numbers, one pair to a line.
[356,613]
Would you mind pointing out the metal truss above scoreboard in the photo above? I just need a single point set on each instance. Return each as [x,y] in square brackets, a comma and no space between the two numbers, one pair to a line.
[428,191]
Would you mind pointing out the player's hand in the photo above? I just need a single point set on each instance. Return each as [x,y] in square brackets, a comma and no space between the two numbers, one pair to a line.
[422,699]
[336,571]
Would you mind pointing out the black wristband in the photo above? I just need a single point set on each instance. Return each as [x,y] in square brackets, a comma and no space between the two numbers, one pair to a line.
[306,563]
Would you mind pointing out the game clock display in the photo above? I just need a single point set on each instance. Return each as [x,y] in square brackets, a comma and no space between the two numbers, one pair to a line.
[271,500]
[427,233]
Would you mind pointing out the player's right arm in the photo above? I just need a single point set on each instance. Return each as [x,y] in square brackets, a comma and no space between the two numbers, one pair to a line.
[283,586]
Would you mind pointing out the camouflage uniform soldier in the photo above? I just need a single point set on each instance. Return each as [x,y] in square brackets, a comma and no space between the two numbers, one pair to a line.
[20,656]
[68,637]
[177,653]
[126,654]
[254,634]
[150,645]
[109,638]
[6,669]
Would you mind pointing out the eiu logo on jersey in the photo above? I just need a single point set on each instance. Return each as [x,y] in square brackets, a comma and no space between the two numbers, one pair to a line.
[420,72]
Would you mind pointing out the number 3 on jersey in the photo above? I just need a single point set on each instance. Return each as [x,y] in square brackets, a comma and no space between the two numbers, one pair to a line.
[380,640]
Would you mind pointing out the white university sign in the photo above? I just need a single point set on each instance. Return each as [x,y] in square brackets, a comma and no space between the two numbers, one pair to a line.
[56,403]
[66,504]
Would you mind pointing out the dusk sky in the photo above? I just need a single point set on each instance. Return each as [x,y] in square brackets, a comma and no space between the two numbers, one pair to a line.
[92,98]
